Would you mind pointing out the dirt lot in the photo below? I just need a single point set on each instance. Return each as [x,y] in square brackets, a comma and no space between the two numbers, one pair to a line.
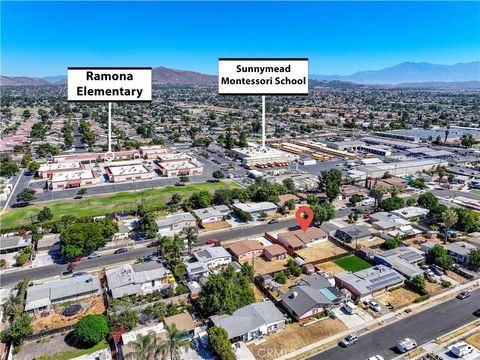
[433,288]
[474,340]
[263,266]
[55,319]
[418,240]
[398,297]
[258,294]
[456,277]
[320,251]
[295,337]
[216,226]
[330,267]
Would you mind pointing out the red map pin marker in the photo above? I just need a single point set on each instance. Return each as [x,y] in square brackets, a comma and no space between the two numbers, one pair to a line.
[304,216]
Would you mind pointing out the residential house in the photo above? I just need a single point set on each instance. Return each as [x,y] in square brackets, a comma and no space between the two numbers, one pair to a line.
[10,244]
[213,257]
[41,297]
[176,222]
[49,242]
[299,239]
[348,191]
[245,249]
[410,212]
[124,348]
[349,234]
[196,270]
[251,322]
[183,322]
[136,279]
[122,233]
[460,251]
[405,260]
[255,209]
[369,282]
[310,297]
[208,215]
[274,252]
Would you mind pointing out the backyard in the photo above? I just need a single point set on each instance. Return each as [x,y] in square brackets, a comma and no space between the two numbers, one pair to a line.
[352,263]
[102,205]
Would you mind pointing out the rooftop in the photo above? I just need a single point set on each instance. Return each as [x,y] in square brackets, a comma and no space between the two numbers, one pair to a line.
[73,175]
[256,206]
[127,170]
[59,166]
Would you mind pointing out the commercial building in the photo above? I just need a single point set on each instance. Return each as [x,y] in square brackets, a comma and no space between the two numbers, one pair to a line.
[347,145]
[251,321]
[408,167]
[377,150]
[136,279]
[46,171]
[40,298]
[402,145]
[73,179]
[254,154]
[152,152]
[128,173]
[369,282]
[178,164]
[93,157]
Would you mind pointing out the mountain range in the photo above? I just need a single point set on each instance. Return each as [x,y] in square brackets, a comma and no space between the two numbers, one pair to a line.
[406,74]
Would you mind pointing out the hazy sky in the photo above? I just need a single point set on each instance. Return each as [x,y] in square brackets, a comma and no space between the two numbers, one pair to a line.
[44,38]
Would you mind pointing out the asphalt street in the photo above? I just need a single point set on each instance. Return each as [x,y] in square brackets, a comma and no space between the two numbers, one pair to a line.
[111,259]
[422,327]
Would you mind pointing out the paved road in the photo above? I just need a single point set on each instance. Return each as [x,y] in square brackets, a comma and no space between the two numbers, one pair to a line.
[423,327]
[111,259]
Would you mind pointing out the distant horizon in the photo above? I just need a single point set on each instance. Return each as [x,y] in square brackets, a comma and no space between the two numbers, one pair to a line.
[40,39]
[215,74]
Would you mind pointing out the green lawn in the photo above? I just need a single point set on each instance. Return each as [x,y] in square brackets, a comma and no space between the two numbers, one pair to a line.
[66,355]
[105,204]
[352,263]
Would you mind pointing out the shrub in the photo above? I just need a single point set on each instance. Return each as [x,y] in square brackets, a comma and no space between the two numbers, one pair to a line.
[422,298]
[92,329]
[281,278]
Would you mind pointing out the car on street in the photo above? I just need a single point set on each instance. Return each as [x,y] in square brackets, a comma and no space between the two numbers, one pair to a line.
[273,221]
[477,312]
[75,259]
[121,251]
[349,340]
[152,244]
[374,305]
[212,241]
[179,184]
[376,357]
[463,295]
[405,345]
[94,255]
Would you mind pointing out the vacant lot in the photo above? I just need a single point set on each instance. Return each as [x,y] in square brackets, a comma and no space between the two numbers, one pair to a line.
[102,205]
[352,263]
[456,277]
[330,267]
[294,337]
[398,298]
[263,266]
[433,288]
[218,225]
[320,251]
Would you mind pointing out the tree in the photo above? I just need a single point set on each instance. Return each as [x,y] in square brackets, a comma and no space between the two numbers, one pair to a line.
[184,179]
[175,340]
[332,190]
[392,243]
[468,220]
[45,214]
[312,199]
[386,175]
[148,224]
[242,140]
[91,329]
[395,190]
[26,195]
[218,174]
[474,257]
[352,217]
[438,255]
[289,184]
[322,212]
[418,183]
[229,141]
[441,171]
[281,278]
[200,199]
[418,283]
[144,347]
[290,204]
[8,168]
[127,320]
[411,201]
[355,198]
[192,236]
[332,175]
[449,218]
[33,167]
[82,192]
[427,201]
[219,343]
[392,203]
[378,191]
[13,306]
[19,329]
[467,141]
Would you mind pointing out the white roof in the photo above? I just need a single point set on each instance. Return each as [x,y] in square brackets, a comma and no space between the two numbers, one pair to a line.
[128,170]
[207,213]
[59,166]
[174,156]
[254,151]
[72,175]
[255,207]
[144,330]
[410,211]
[179,165]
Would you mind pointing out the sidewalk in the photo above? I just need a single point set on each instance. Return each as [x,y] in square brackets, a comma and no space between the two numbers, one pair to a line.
[383,320]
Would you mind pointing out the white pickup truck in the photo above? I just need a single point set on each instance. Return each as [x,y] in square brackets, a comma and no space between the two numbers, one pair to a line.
[405,345]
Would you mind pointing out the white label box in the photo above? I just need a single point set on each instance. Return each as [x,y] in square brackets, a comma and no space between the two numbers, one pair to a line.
[263,76]
[109,84]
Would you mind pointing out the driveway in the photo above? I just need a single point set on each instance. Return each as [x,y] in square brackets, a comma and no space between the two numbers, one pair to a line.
[474,355]
[355,320]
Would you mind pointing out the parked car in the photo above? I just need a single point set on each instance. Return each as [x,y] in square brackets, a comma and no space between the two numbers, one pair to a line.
[461,349]
[406,345]
[349,340]
[121,251]
[80,273]
[374,305]
[477,312]
[212,241]
[94,255]
[463,295]
[75,259]
[273,221]
[436,270]
[429,274]
[350,308]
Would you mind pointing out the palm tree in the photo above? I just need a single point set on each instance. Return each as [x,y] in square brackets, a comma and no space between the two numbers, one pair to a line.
[449,218]
[192,236]
[13,305]
[378,191]
[170,348]
[144,347]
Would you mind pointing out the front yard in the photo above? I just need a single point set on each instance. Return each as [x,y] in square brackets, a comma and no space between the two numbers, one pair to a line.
[294,337]
[398,298]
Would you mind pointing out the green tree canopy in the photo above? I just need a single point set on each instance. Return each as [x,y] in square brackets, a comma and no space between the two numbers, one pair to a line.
[91,329]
